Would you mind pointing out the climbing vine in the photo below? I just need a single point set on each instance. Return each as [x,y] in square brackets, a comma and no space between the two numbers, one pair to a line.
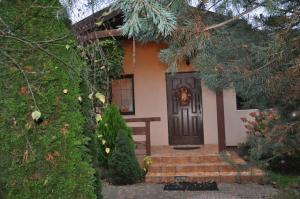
[103,64]
[104,59]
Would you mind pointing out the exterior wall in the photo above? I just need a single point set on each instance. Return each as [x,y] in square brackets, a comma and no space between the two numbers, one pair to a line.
[151,101]
[234,127]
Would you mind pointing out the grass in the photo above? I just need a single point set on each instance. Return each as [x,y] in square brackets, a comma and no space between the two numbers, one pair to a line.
[285,180]
[288,185]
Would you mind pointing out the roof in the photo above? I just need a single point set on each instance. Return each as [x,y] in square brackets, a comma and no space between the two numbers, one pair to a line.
[87,29]
[110,20]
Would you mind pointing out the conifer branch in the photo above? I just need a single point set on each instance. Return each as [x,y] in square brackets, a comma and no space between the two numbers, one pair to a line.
[169,5]
[214,5]
[232,19]
[24,75]
[36,45]
[53,40]
[138,12]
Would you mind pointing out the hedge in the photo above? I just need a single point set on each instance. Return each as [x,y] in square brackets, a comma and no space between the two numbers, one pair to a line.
[47,158]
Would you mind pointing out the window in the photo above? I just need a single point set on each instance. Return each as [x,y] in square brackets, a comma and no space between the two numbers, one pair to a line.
[243,104]
[123,94]
[240,103]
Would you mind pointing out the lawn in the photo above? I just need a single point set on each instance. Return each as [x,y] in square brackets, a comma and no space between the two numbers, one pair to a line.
[285,180]
[288,184]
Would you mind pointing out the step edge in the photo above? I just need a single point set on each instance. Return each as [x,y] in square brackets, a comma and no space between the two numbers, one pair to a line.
[199,174]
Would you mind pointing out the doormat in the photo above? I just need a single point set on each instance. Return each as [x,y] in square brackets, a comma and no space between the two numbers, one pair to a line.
[186,147]
[190,186]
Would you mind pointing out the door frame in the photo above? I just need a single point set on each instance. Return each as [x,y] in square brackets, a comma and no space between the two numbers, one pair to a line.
[201,104]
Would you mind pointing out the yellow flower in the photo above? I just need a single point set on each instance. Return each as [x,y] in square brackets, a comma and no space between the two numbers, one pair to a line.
[65,91]
[107,150]
[100,96]
[98,118]
[103,142]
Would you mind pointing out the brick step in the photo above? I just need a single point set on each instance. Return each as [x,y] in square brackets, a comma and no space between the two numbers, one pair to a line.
[255,175]
[201,167]
[194,159]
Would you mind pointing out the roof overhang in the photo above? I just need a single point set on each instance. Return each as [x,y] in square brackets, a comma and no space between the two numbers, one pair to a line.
[87,29]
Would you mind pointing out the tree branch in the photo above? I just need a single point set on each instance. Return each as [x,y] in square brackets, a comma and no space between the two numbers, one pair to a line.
[232,19]
[24,75]
[53,40]
[214,5]
[36,45]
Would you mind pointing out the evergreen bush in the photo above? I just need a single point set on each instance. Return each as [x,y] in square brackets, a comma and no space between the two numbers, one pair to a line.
[123,167]
[89,127]
[42,155]
[110,125]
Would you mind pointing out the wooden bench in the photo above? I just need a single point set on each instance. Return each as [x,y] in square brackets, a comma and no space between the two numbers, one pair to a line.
[142,147]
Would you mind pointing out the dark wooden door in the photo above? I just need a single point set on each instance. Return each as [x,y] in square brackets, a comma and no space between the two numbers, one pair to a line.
[184,100]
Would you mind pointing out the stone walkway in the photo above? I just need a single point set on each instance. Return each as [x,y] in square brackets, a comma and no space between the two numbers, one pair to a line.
[155,191]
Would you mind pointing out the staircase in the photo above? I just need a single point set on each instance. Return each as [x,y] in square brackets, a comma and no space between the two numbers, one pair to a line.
[198,167]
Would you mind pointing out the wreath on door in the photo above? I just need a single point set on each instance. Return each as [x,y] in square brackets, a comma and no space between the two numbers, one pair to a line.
[184,96]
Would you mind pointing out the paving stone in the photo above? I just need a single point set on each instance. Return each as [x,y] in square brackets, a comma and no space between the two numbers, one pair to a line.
[155,191]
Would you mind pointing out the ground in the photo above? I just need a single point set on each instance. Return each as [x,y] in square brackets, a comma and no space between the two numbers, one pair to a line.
[155,191]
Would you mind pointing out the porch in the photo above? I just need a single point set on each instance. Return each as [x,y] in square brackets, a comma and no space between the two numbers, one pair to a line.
[141,128]
[200,164]
[189,163]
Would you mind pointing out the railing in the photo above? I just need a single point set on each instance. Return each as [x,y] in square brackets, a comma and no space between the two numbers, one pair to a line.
[143,130]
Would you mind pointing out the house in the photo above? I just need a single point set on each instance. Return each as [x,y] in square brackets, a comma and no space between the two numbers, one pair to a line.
[173,108]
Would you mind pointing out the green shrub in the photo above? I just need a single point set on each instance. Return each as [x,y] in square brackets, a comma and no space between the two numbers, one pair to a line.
[286,164]
[48,158]
[261,122]
[112,122]
[271,143]
[243,150]
[123,167]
